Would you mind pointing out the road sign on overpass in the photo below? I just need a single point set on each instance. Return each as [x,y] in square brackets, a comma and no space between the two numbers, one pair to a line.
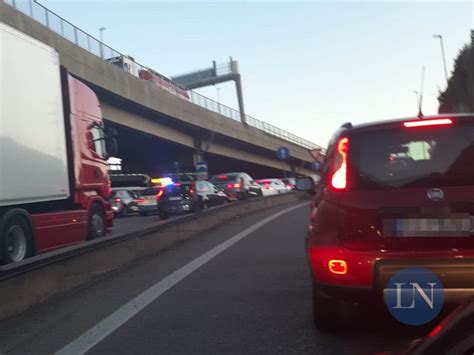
[214,75]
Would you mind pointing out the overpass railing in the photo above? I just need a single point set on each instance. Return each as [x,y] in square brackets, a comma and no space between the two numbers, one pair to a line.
[84,40]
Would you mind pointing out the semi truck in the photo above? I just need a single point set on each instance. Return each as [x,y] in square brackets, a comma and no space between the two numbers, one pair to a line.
[54,183]
[128,64]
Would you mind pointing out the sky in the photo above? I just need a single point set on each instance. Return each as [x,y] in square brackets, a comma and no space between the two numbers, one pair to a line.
[306,67]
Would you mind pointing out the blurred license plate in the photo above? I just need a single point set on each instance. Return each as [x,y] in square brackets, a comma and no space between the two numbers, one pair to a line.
[175,198]
[429,227]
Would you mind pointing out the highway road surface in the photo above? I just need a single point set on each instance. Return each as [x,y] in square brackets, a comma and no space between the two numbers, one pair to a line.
[242,288]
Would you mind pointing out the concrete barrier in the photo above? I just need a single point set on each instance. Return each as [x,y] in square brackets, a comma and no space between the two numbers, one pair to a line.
[37,279]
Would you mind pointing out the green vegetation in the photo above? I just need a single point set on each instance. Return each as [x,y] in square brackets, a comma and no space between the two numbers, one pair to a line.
[459,96]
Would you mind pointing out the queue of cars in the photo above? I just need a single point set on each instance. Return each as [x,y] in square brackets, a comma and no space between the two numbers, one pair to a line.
[167,197]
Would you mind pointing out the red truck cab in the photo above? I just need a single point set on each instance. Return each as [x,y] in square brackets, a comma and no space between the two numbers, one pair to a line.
[54,183]
[87,215]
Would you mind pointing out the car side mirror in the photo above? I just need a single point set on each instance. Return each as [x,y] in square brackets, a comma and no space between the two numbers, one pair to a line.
[305,183]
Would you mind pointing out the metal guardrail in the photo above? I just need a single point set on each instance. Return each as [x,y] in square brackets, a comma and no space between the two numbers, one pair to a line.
[77,36]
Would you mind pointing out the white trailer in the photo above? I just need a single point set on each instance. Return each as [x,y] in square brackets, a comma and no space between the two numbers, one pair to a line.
[33,161]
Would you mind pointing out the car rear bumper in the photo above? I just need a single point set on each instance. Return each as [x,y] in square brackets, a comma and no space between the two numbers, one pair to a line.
[150,208]
[375,296]
[177,208]
[235,193]
[116,208]
[368,273]
[456,275]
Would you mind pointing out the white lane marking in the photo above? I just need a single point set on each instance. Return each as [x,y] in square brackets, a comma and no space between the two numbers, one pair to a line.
[108,325]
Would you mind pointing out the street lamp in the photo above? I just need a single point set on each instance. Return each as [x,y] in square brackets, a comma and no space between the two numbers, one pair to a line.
[101,35]
[443,55]
[417,95]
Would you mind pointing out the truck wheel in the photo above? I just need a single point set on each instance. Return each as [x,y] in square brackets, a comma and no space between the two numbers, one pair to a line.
[96,222]
[17,239]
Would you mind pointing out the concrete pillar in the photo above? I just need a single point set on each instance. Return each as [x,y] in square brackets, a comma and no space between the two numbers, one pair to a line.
[293,168]
[198,155]
[240,97]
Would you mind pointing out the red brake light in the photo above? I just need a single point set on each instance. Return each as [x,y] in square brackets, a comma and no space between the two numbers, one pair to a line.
[222,177]
[338,267]
[425,123]
[339,178]
[233,186]
[159,194]
[117,199]
[140,200]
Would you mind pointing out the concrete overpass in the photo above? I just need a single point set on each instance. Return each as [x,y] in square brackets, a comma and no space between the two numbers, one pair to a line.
[132,103]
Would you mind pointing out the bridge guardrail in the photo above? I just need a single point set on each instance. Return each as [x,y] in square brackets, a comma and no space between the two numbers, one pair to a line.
[66,29]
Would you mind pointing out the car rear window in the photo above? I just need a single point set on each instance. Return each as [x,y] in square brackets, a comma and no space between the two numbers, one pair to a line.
[413,157]
[175,190]
[149,192]
[224,178]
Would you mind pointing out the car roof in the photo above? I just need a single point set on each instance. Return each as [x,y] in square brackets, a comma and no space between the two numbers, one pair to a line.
[397,121]
[134,188]
[230,173]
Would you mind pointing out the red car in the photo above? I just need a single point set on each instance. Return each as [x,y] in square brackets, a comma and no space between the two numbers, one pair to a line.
[392,195]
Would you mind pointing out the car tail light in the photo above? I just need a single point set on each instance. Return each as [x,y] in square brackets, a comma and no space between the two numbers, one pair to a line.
[117,199]
[338,267]
[159,194]
[339,178]
[140,200]
[425,123]
[222,177]
[233,186]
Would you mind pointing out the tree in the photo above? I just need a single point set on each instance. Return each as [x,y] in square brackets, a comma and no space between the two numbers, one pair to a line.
[459,95]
